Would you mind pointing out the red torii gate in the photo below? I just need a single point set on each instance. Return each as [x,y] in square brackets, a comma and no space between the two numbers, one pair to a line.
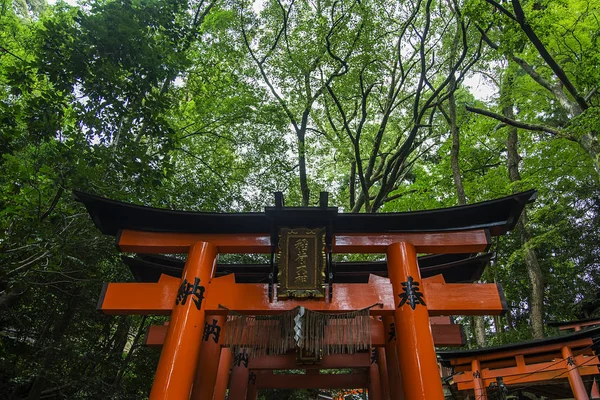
[569,357]
[203,236]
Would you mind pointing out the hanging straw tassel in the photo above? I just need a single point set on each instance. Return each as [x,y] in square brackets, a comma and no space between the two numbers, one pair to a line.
[320,332]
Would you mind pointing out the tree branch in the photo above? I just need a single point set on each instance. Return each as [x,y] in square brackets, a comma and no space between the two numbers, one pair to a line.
[517,124]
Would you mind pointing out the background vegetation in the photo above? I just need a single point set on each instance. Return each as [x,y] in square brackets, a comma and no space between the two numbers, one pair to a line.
[214,104]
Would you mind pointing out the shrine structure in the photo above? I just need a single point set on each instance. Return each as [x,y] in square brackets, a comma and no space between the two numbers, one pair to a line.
[302,307]
[559,367]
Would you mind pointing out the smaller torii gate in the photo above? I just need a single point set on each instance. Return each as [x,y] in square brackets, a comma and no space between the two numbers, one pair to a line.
[304,279]
[541,362]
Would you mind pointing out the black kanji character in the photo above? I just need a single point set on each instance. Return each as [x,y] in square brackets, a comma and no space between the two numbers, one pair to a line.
[252,378]
[477,374]
[241,357]
[570,361]
[392,332]
[374,356]
[212,329]
[411,294]
[187,289]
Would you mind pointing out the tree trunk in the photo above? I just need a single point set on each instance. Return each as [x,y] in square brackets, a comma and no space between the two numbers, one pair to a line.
[454,153]
[134,346]
[35,392]
[534,271]
[478,321]
[302,166]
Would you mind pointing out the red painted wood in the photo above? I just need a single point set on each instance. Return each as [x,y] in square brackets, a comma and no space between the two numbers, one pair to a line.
[443,335]
[478,386]
[179,355]
[574,376]
[595,393]
[223,374]
[527,373]
[383,374]
[414,341]
[238,383]
[374,388]
[288,361]
[208,362]
[322,381]
[431,242]
[391,356]
[574,344]
[443,298]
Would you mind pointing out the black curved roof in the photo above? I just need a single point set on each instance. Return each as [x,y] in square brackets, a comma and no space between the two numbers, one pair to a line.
[498,216]
[456,268]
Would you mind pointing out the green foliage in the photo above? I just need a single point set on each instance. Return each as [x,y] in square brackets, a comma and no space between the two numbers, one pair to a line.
[160,103]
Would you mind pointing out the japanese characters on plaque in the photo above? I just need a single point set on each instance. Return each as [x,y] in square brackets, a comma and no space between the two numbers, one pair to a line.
[301,263]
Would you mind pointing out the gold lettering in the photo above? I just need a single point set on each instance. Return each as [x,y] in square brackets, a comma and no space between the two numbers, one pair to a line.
[301,247]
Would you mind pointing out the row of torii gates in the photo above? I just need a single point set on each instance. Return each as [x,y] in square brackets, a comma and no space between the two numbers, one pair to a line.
[382,320]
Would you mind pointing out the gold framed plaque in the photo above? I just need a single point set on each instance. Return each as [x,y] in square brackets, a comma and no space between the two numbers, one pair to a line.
[301,263]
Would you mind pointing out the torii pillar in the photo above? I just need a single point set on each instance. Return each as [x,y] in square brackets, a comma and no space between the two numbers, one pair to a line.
[240,374]
[391,358]
[223,374]
[208,360]
[414,340]
[179,357]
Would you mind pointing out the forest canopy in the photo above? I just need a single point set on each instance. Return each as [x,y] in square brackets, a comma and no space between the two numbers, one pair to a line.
[213,105]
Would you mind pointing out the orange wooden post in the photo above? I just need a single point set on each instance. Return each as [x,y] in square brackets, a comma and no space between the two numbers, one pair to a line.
[478,385]
[391,357]
[223,374]
[208,360]
[383,373]
[238,384]
[414,341]
[595,393]
[179,356]
[374,382]
[252,392]
[574,377]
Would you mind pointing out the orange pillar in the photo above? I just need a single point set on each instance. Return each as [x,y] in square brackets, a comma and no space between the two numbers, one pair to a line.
[374,382]
[252,392]
[383,374]
[208,361]
[574,377]
[391,357]
[595,394]
[478,385]
[414,341]
[177,365]
[223,374]
[238,384]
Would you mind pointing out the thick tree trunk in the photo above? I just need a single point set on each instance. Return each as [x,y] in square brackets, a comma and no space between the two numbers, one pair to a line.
[534,271]
[454,153]
[478,321]
[302,166]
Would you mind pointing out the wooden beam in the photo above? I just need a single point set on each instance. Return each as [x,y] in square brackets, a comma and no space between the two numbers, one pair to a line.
[252,298]
[321,381]
[447,335]
[527,373]
[333,361]
[472,241]
[578,325]
[573,344]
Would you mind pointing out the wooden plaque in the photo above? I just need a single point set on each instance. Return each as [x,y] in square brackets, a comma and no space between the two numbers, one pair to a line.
[301,262]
